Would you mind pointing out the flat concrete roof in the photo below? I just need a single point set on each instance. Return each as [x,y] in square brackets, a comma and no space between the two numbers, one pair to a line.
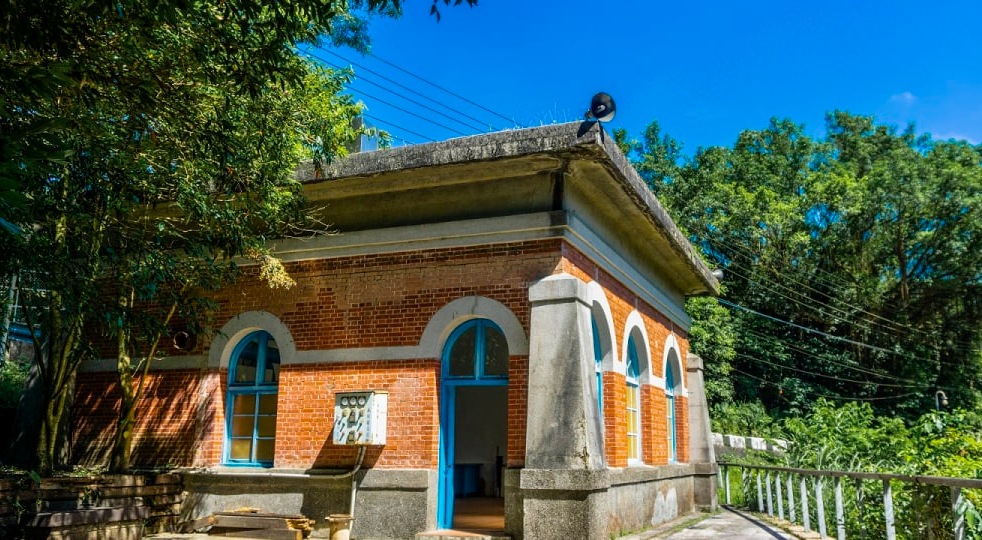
[580,152]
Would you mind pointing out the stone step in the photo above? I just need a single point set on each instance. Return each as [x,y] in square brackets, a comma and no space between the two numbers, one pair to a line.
[449,534]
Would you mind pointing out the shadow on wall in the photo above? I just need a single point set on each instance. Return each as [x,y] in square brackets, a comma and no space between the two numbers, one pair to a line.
[341,458]
[166,431]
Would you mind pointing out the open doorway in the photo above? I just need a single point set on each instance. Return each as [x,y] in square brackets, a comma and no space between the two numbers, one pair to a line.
[481,435]
[473,428]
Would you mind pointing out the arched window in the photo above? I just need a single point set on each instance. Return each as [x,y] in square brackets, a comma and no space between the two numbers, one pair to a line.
[598,355]
[478,350]
[254,373]
[670,407]
[633,399]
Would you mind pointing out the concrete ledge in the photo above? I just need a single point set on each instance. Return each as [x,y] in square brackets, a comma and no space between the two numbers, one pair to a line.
[102,365]
[649,473]
[564,480]
[556,138]
[557,288]
[402,479]
[705,468]
[739,445]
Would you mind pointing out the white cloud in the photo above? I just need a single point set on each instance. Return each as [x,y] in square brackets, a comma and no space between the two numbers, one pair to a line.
[905,99]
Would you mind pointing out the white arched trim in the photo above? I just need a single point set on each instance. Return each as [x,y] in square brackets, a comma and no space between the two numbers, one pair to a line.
[673,355]
[243,324]
[634,326]
[601,312]
[450,316]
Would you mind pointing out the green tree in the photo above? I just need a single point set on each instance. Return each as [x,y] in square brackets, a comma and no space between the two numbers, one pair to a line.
[851,262]
[145,146]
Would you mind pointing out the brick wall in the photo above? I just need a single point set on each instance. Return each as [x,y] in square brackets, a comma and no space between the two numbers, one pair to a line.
[305,413]
[350,302]
[654,427]
[615,418]
[166,420]
[387,300]
[682,428]
[373,301]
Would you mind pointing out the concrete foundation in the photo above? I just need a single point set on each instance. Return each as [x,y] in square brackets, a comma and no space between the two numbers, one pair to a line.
[390,504]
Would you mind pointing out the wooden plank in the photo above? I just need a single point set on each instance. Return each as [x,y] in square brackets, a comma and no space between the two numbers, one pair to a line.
[249,521]
[267,534]
[252,512]
[199,523]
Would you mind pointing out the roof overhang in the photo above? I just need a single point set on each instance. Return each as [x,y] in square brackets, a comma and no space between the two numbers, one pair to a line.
[574,167]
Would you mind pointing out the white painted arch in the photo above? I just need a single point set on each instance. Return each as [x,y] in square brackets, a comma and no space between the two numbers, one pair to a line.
[672,356]
[461,310]
[601,312]
[243,324]
[634,326]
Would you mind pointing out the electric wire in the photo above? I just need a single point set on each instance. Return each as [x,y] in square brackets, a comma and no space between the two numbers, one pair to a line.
[827,396]
[808,304]
[895,327]
[808,354]
[831,377]
[817,306]
[393,92]
[499,115]
[386,122]
[404,87]
[810,330]
[421,117]
[832,280]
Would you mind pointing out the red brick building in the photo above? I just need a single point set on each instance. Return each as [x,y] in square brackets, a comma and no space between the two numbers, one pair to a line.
[513,304]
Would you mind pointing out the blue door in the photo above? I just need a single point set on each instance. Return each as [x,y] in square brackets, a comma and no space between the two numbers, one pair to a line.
[476,354]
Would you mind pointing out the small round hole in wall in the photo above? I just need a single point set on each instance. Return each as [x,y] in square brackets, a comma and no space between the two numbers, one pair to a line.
[184,341]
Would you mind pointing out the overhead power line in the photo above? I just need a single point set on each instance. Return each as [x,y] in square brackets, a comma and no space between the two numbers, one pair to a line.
[808,354]
[806,329]
[888,324]
[837,314]
[458,96]
[879,321]
[408,89]
[393,92]
[828,396]
[831,377]
[411,113]
[386,122]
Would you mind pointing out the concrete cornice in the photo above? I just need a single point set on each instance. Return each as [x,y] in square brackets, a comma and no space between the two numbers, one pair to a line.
[577,165]
[552,139]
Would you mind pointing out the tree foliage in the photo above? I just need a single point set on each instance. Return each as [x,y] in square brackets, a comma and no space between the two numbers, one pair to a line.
[144,148]
[851,437]
[852,261]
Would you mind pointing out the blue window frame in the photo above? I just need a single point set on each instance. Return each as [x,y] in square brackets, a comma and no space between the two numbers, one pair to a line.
[633,398]
[478,350]
[598,364]
[250,420]
[670,406]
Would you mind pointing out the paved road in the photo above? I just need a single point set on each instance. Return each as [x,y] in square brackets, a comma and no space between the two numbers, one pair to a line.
[731,524]
[728,523]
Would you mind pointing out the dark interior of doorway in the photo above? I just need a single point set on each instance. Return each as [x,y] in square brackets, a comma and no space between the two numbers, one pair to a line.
[481,434]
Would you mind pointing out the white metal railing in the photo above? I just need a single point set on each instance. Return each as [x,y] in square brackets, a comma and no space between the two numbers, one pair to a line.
[759,484]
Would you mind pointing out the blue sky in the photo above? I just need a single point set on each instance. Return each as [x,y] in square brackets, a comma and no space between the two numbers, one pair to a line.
[703,70]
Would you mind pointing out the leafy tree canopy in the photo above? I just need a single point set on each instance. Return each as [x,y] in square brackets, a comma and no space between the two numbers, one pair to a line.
[853,262]
[152,143]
